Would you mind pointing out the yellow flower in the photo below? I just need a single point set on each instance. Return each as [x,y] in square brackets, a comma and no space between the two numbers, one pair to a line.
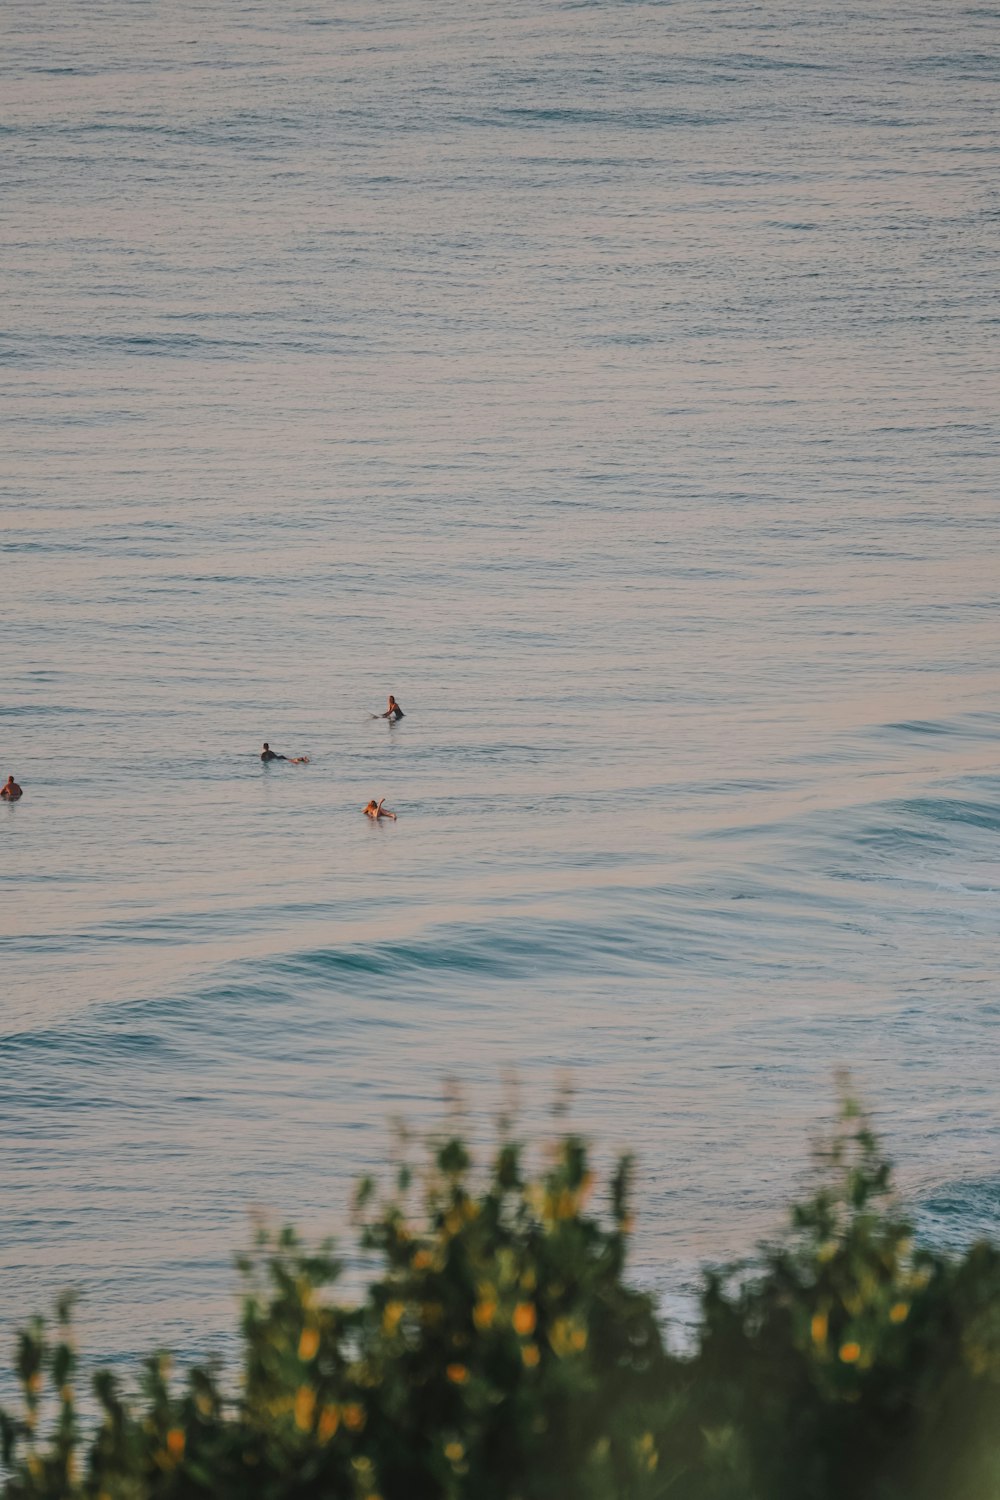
[818,1327]
[850,1353]
[898,1312]
[308,1343]
[647,1448]
[566,1338]
[483,1314]
[570,1339]
[392,1316]
[175,1443]
[354,1416]
[457,1374]
[524,1318]
[530,1355]
[454,1452]
[305,1405]
[329,1421]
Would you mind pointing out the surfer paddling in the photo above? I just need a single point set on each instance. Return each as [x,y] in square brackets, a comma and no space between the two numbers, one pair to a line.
[267,755]
[375,810]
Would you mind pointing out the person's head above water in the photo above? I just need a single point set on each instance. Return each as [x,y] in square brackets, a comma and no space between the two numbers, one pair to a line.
[266,745]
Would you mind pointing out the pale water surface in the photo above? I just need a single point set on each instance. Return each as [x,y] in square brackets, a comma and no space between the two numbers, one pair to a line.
[615,383]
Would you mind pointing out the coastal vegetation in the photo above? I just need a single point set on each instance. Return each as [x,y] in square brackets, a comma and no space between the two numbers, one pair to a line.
[499,1352]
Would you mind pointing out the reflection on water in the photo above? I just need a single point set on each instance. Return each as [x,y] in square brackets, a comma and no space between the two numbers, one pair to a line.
[613,384]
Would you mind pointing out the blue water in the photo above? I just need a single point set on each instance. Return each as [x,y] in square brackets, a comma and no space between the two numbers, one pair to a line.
[615,383]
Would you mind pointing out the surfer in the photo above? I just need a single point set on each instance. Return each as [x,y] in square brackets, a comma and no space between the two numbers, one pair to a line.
[393,713]
[267,754]
[375,810]
[10,791]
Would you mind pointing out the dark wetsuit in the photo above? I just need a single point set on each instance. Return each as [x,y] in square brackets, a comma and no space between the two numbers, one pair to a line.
[271,755]
[393,713]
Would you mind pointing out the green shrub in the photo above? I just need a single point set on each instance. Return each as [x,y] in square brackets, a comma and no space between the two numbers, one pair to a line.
[498,1353]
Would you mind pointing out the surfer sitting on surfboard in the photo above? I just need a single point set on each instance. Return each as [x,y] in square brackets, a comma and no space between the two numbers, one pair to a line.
[10,791]
[393,712]
[375,810]
[267,754]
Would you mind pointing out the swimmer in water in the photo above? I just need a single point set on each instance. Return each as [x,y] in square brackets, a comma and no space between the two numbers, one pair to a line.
[267,754]
[10,791]
[393,713]
[375,810]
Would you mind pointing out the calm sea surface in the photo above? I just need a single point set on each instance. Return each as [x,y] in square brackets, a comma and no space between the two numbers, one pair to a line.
[615,383]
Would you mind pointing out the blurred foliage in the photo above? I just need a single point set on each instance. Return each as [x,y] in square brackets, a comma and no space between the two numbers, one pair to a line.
[499,1354]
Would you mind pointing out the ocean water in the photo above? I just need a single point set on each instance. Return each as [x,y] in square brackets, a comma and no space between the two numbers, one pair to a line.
[615,383]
